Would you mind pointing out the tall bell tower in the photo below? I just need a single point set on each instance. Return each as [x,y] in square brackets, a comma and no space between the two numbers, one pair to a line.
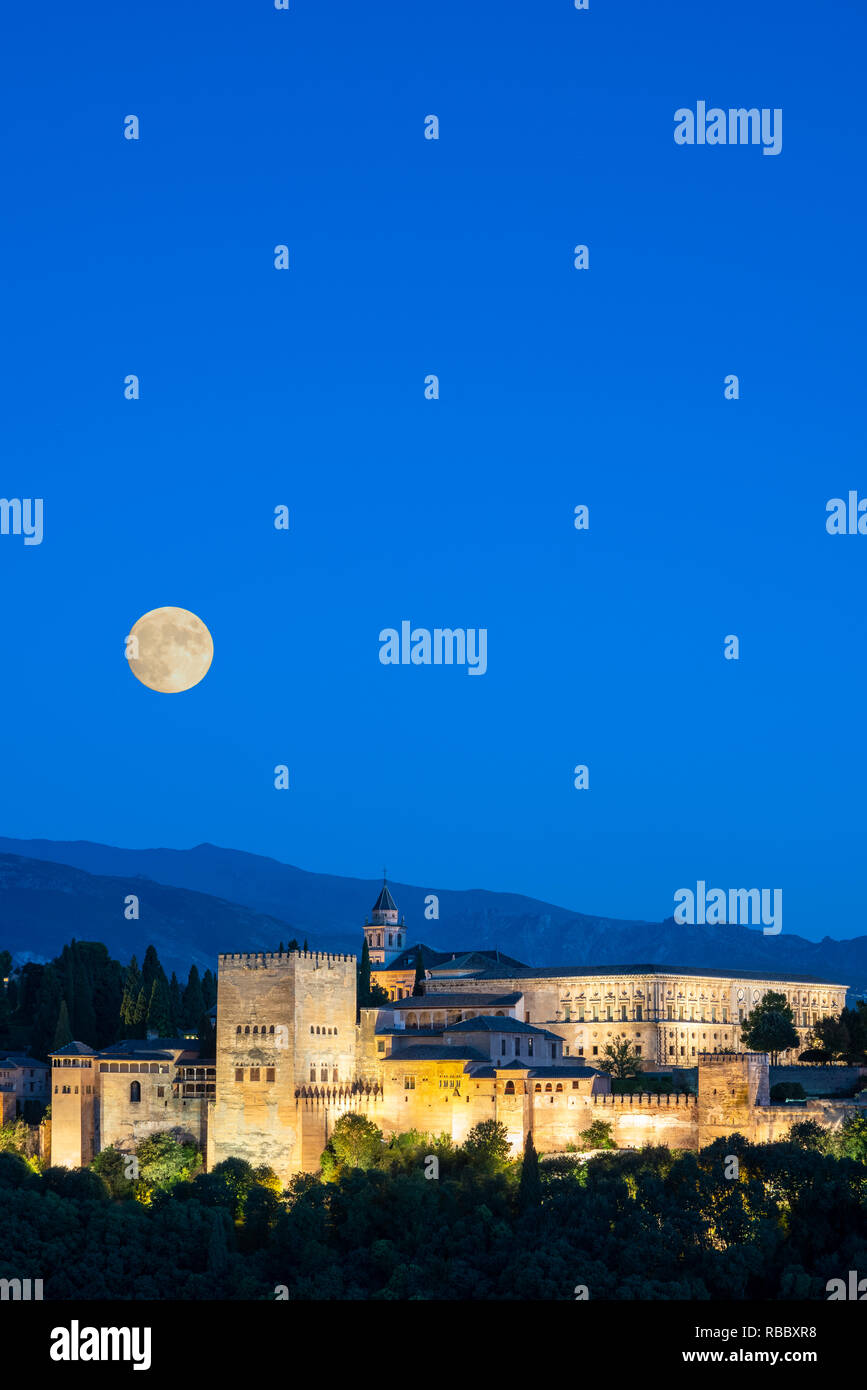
[385,937]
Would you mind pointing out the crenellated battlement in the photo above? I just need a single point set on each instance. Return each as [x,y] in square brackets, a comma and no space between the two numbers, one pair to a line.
[725,1059]
[646,1100]
[263,960]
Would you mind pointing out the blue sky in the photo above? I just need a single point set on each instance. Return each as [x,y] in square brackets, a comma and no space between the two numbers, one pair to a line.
[558,387]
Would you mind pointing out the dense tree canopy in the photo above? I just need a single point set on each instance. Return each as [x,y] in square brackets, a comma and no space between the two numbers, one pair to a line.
[648,1224]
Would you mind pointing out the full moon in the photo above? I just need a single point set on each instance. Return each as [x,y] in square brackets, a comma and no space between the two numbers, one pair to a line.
[171,651]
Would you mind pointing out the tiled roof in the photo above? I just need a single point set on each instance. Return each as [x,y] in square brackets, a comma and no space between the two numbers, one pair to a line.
[433,1052]
[485,1023]
[417,1002]
[551,972]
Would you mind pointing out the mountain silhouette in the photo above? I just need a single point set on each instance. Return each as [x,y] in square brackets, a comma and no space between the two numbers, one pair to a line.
[195,903]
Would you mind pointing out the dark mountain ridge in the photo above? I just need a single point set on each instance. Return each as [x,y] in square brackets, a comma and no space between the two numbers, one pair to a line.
[198,902]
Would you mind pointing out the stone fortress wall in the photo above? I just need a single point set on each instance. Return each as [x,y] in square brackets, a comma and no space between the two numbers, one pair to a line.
[291,1059]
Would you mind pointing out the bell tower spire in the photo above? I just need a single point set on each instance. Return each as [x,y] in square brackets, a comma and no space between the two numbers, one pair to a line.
[385,937]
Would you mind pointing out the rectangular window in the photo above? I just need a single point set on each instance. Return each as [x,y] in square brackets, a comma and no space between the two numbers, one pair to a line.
[409,1083]
[254,1073]
[270,1074]
[517,1047]
[622,1013]
[161,1090]
[239,1076]
[638,1049]
[581,1052]
[638,1013]
[669,1013]
[529,1047]
[380,1046]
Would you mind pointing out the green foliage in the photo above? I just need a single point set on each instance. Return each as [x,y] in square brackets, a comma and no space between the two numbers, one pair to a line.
[842,1037]
[111,1165]
[597,1135]
[620,1059]
[787,1090]
[194,1000]
[644,1224]
[852,1139]
[770,1027]
[418,982]
[159,1019]
[369,992]
[164,1160]
[487,1144]
[63,1028]
[809,1134]
[14,1137]
[530,1186]
[356,1141]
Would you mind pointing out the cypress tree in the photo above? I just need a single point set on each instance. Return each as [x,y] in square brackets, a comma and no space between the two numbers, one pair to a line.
[159,1019]
[418,982]
[364,976]
[530,1189]
[194,1000]
[176,1006]
[83,1012]
[63,1031]
[151,970]
[207,1037]
[131,987]
[140,1013]
[50,994]
[209,988]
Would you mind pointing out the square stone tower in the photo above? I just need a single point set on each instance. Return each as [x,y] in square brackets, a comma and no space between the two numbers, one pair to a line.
[283,1021]
[730,1087]
[73,1102]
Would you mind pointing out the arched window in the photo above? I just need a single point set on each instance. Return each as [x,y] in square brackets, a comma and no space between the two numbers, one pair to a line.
[271,1029]
[548,1087]
[238,1029]
[558,1087]
[510,1088]
[255,1028]
[135,1091]
[537,1088]
[247,1029]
